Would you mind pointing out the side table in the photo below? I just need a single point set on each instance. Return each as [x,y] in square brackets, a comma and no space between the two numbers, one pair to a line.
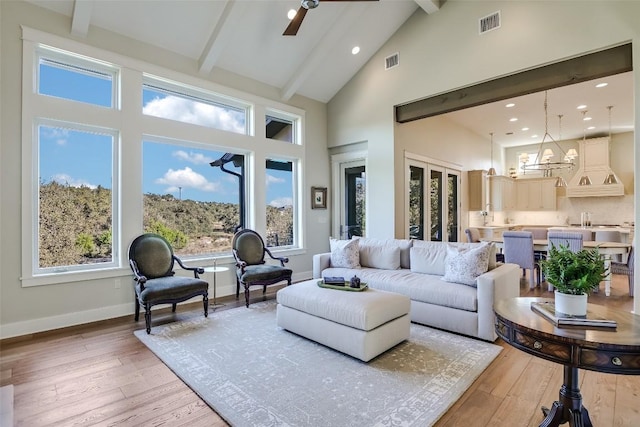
[215,269]
[615,352]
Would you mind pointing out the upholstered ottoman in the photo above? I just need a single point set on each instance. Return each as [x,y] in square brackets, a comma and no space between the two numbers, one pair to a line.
[360,324]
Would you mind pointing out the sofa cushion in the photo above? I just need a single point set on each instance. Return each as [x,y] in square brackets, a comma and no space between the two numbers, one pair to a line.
[442,246]
[371,251]
[385,257]
[425,288]
[464,265]
[428,259]
[344,253]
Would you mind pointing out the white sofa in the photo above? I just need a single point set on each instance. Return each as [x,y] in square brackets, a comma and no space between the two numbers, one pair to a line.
[417,269]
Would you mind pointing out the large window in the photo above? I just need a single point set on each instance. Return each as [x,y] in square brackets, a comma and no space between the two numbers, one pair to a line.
[194,205]
[75,200]
[171,154]
[280,202]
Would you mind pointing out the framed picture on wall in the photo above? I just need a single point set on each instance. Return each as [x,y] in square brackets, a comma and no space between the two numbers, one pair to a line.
[318,197]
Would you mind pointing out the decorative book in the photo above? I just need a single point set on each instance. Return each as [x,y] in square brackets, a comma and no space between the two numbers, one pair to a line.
[334,280]
[548,311]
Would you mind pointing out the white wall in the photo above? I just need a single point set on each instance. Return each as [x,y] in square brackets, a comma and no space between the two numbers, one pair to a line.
[443,51]
[26,310]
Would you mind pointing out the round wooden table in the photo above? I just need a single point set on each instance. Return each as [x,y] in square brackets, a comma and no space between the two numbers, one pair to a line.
[615,351]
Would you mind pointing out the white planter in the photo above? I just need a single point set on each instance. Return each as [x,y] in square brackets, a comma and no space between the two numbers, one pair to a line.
[574,305]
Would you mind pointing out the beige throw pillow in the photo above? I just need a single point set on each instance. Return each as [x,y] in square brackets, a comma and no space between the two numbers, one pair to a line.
[465,265]
[344,253]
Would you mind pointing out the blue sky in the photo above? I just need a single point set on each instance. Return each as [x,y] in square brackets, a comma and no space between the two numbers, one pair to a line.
[79,158]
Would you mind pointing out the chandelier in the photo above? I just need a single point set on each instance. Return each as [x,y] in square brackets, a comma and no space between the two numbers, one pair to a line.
[544,158]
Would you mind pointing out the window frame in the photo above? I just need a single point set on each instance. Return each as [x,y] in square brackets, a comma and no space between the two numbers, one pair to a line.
[295,120]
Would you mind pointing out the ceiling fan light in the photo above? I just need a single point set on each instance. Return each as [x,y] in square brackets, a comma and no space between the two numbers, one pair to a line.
[310,4]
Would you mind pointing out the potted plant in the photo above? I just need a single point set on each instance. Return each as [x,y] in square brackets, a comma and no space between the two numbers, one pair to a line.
[574,275]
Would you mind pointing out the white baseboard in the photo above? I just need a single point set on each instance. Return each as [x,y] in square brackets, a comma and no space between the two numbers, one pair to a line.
[26,327]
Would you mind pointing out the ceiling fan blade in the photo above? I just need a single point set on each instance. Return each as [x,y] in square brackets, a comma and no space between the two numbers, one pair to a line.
[322,1]
[294,25]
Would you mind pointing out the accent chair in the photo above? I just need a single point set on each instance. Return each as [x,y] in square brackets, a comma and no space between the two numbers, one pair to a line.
[152,259]
[249,252]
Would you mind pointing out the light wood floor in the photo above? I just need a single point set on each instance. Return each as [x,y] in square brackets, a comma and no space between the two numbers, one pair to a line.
[100,374]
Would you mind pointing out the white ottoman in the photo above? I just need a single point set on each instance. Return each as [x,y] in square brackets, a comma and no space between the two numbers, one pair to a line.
[360,324]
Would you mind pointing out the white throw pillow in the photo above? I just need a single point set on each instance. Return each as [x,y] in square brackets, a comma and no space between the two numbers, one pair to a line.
[428,259]
[344,253]
[465,265]
[373,260]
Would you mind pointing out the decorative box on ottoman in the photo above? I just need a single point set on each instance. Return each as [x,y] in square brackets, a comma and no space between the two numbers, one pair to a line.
[360,324]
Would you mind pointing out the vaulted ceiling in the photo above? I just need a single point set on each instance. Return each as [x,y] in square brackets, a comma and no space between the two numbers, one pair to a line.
[245,37]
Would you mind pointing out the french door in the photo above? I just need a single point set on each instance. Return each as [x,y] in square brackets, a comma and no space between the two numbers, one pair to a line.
[433,201]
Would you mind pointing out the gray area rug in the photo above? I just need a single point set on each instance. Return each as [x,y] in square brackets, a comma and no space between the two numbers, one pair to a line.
[253,373]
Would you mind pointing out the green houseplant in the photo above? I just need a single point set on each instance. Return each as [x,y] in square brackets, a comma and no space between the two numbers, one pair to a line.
[574,275]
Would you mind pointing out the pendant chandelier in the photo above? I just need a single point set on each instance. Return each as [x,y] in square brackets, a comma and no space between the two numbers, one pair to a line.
[492,170]
[544,158]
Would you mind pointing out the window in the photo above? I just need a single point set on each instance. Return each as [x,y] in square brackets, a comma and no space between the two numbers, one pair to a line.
[281,129]
[180,103]
[75,197]
[75,79]
[187,154]
[195,206]
[280,203]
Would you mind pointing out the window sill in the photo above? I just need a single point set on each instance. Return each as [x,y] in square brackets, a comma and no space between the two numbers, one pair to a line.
[74,276]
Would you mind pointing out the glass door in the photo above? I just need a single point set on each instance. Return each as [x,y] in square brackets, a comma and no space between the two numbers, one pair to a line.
[354,184]
[433,203]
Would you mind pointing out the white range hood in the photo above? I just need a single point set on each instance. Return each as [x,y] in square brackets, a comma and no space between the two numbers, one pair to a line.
[593,162]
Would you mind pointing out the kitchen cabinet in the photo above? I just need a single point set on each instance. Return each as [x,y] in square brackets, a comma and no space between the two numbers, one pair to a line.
[538,194]
[502,194]
[477,184]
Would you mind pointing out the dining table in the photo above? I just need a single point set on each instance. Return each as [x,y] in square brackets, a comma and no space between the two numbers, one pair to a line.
[606,249]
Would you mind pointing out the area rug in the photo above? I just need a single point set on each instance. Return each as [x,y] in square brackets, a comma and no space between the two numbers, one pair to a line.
[253,373]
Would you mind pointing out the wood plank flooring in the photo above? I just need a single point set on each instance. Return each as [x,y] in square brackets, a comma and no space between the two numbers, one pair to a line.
[100,374]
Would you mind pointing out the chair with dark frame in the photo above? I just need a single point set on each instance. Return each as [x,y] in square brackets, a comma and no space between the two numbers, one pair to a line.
[249,252]
[152,259]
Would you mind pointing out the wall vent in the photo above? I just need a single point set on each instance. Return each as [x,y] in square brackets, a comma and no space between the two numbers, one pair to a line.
[391,61]
[489,22]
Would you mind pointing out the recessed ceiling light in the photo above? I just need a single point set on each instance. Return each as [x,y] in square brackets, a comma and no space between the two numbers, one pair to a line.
[599,85]
[291,14]
[581,107]
[513,119]
[355,50]
[591,128]
[534,136]
[586,119]
[509,105]
[525,129]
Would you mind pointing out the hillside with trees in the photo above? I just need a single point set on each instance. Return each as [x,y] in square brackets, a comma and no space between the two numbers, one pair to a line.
[75,224]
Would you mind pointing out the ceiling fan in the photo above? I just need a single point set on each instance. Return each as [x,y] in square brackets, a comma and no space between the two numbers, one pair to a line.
[294,25]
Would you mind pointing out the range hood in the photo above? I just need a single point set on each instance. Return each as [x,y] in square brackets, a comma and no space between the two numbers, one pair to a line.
[593,162]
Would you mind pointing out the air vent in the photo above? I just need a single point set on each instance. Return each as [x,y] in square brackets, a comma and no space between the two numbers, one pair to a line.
[391,61]
[490,22]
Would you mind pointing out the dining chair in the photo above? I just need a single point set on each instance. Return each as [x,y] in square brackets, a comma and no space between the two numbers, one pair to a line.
[539,233]
[473,234]
[518,249]
[626,269]
[571,239]
[609,236]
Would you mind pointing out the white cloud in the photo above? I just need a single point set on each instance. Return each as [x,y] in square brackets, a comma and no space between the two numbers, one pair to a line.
[281,202]
[274,180]
[65,179]
[185,110]
[186,178]
[195,158]
[58,134]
